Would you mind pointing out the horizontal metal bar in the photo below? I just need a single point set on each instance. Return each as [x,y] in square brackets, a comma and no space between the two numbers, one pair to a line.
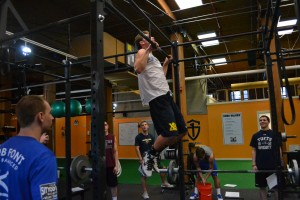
[236,171]
[88,169]
[74,91]
[73,78]
[44,27]
[175,170]
[129,111]
[255,71]
[44,46]
[222,54]
[29,68]
[150,21]
[220,38]
[120,14]
[127,101]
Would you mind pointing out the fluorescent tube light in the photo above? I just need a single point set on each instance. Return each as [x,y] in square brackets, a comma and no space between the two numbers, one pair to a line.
[184,4]
[219,60]
[210,43]
[285,32]
[206,35]
[287,23]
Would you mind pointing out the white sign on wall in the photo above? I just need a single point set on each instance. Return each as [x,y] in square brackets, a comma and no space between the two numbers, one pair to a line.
[232,128]
[127,133]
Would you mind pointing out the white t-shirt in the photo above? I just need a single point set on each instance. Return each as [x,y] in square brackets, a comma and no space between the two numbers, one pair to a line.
[152,81]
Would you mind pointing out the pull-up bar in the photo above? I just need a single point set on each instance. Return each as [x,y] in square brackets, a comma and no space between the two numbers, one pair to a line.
[151,22]
[136,28]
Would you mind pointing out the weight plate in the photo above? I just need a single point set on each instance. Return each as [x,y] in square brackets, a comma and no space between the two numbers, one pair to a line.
[119,169]
[172,175]
[295,172]
[77,169]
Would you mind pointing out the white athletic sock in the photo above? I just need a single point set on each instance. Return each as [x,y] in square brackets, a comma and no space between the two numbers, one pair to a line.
[218,190]
[114,198]
[196,190]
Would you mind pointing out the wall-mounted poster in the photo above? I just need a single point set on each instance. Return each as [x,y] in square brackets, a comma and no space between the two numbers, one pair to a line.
[232,128]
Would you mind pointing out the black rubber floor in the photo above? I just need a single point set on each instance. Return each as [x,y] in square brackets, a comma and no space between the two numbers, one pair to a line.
[132,192]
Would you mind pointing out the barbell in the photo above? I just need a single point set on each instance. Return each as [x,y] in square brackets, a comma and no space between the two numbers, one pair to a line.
[292,170]
[80,169]
[284,136]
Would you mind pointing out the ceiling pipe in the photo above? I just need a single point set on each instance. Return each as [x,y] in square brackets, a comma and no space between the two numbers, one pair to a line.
[260,84]
[236,73]
[74,92]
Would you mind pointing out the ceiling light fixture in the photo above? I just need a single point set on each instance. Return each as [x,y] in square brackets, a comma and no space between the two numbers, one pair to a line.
[222,61]
[185,4]
[286,23]
[285,32]
[206,35]
[26,50]
[210,42]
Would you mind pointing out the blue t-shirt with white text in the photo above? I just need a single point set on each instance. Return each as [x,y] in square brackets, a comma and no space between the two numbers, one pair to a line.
[28,170]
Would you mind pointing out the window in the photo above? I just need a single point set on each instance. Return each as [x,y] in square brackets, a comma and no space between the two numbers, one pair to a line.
[246,95]
[236,95]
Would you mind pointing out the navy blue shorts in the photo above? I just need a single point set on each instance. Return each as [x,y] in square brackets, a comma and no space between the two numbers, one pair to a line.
[166,116]
[111,178]
[204,165]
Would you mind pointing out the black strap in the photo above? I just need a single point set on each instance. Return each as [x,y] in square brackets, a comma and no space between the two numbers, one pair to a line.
[282,72]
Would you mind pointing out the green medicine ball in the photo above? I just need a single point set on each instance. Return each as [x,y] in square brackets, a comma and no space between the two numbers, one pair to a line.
[88,106]
[75,107]
[58,109]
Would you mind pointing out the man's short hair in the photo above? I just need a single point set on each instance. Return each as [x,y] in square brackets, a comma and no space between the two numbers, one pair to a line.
[143,122]
[200,153]
[28,107]
[268,118]
[139,38]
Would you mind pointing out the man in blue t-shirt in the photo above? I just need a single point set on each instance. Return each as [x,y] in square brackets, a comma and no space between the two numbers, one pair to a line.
[28,169]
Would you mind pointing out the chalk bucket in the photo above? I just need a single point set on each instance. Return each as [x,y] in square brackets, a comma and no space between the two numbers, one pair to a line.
[205,191]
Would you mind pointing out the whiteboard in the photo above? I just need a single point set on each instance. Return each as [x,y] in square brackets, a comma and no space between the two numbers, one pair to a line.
[127,133]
